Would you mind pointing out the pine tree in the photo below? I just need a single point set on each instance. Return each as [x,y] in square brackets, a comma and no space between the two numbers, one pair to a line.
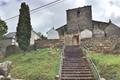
[24,27]
[3,28]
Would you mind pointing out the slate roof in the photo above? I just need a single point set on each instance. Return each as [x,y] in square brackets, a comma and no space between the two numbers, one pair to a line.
[93,22]
[62,27]
[10,35]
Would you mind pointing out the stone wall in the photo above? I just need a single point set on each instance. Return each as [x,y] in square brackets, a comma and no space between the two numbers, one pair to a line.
[99,28]
[98,33]
[12,49]
[112,30]
[48,43]
[100,25]
[79,19]
[3,46]
[101,45]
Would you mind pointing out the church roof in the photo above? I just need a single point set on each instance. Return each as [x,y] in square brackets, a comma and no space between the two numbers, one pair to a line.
[93,21]
[62,27]
[102,25]
[10,35]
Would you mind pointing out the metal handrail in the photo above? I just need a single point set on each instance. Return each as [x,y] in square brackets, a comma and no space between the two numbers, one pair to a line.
[61,62]
[93,67]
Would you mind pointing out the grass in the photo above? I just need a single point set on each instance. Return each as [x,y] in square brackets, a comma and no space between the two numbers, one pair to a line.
[108,65]
[35,65]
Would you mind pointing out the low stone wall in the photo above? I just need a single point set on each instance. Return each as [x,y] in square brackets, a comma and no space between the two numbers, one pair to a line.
[101,45]
[12,49]
[48,43]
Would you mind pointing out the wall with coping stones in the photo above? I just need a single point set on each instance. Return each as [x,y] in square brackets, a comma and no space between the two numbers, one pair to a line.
[101,45]
[48,43]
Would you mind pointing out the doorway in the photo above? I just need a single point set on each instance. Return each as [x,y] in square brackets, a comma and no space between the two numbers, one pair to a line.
[75,40]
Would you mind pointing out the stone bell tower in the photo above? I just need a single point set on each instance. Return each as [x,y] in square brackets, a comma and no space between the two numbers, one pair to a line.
[78,19]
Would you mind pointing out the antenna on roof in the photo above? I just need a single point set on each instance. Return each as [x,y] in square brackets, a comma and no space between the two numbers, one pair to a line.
[110,21]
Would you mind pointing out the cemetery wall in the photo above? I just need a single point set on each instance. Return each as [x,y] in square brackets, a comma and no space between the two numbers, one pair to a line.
[102,45]
[48,43]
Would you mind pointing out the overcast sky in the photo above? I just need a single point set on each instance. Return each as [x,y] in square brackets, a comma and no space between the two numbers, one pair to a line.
[55,16]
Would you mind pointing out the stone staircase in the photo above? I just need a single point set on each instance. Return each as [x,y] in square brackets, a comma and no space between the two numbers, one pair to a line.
[75,66]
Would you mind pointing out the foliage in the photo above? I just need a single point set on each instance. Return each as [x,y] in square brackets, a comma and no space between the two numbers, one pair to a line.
[39,33]
[24,27]
[108,65]
[42,36]
[3,28]
[35,65]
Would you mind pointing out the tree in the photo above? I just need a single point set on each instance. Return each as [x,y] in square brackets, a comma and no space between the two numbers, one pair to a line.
[24,27]
[3,28]
[42,36]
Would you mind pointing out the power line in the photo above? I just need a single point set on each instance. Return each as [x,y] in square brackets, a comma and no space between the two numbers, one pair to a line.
[36,9]
[47,6]
[11,18]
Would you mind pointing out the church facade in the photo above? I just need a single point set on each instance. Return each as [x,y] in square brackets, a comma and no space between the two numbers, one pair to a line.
[80,25]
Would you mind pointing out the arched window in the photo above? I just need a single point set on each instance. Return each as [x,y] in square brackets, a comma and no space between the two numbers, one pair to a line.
[78,13]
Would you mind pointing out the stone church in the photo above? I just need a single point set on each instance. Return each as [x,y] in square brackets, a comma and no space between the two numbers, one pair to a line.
[80,25]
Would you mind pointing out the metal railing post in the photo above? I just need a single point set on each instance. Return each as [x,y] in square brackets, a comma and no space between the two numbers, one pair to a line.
[92,66]
[61,62]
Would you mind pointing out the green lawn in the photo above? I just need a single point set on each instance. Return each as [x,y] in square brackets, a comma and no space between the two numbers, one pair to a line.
[108,65]
[35,65]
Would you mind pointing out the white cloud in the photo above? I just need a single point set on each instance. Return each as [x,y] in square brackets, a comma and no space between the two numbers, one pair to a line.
[4,2]
[79,3]
[55,16]
[106,9]
[43,19]
[40,19]
[1,13]
[112,9]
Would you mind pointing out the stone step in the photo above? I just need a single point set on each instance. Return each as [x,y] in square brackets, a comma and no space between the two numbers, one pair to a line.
[76,72]
[77,75]
[77,78]
[75,65]
[75,68]
[72,59]
[75,62]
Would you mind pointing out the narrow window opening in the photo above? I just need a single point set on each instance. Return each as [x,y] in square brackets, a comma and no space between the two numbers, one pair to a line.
[78,13]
